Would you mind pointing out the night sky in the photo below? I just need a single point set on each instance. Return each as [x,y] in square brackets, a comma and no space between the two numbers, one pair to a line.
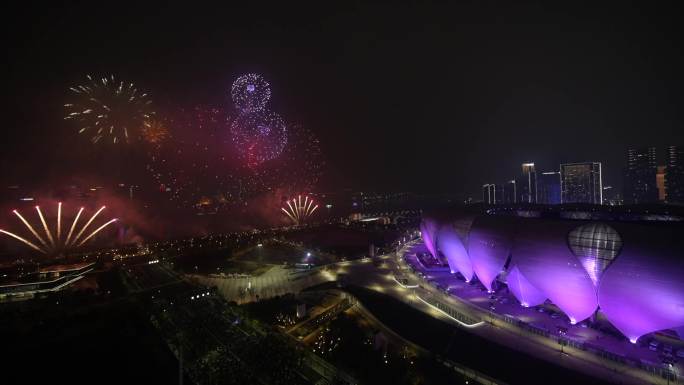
[411,97]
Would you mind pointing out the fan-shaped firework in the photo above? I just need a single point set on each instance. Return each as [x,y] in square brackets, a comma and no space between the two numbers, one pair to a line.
[259,136]
[250,93]
[58,239]
[108,109]
[299,210]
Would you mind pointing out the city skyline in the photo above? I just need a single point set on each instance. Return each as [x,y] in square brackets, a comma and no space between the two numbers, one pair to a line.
[650,176]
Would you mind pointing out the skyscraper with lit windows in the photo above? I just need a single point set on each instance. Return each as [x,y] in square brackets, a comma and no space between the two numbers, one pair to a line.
[549,188]
[640,176]
[660,184]
[674,174]
[581,183]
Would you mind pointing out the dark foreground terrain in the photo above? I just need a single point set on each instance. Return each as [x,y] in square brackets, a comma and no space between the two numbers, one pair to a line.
[110,343]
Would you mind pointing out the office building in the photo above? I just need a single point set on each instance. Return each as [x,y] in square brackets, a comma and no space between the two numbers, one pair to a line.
[510,192]
[660,183]
[486,194]
[581,183]
[611,196]
[549,188]
[526,184]
[489,194]
[499,191]
[674,175]
[640,176]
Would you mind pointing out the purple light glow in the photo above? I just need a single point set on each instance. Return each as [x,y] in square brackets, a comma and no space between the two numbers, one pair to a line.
[680,332]
[643,290]
[542,255]
[523,290]
[633,271]
[457,257]
[489,245]
[428,230]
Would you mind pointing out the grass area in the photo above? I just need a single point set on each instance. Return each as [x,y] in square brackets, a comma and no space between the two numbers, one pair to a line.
[319,246]
[277,253]
[342,241]
[245,267]
[254,260]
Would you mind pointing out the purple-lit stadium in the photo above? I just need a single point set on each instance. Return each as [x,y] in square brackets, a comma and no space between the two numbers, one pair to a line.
[625,272]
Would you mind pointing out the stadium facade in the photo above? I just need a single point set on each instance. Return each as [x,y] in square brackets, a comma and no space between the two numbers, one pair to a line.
[629,271]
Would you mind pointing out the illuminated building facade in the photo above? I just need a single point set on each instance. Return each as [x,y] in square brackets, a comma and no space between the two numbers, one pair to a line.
[674,175]
[640,176]
[660,184]
[549,188]
[491,194]
[627,271]
[526,184]
[47,279]
[581,183]
[510,192]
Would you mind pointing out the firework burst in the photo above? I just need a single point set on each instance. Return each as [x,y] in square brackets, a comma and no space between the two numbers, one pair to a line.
[298,210]
[195,165]
[106,109]
[199,165]
[301,164]
[215,158]
[250,93]
[54,240]
[259,137]
[154,132]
